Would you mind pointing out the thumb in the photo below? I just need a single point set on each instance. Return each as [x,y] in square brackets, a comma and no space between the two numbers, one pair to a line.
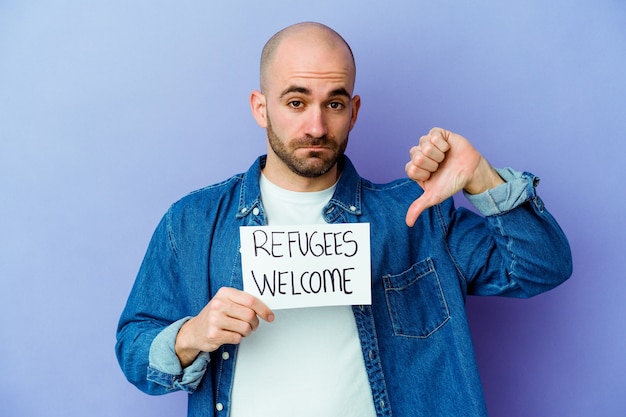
[416,208]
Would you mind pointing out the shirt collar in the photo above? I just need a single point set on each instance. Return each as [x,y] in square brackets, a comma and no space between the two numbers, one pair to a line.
[345,200]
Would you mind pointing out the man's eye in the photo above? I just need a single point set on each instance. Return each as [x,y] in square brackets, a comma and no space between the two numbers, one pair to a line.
[295,104]
[336,105]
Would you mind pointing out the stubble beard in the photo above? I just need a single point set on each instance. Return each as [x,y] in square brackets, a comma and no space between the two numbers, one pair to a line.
[313,165]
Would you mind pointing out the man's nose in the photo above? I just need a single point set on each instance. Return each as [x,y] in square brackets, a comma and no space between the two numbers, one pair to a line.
[316,123]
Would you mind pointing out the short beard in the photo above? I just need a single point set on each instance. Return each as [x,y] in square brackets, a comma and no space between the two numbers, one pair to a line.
[315,164]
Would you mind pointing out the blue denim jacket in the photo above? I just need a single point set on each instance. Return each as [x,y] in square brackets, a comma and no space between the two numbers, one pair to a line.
[415,337]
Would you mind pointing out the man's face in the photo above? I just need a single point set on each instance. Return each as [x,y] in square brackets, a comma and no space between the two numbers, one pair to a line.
[307,156]
[309,109]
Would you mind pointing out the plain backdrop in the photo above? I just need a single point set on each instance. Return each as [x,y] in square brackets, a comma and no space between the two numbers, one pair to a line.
[111,110]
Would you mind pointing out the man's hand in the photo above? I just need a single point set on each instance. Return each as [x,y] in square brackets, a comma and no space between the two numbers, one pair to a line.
[444,163]
[230,316]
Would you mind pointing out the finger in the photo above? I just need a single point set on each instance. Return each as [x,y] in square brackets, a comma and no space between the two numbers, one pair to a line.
[228,334]
[262,310]
[239,314]
[427,159]
[233,325]
[417,173]
[227,305]
[249,301]
[439,139]
[427,150]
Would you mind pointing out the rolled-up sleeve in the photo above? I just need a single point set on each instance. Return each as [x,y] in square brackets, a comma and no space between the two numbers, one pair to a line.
[518,188]
[164,367]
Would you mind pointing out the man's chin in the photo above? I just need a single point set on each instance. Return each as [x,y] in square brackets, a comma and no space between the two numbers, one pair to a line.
[313,167]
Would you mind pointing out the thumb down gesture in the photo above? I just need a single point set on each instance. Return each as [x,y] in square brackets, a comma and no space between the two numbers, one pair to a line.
[444,163]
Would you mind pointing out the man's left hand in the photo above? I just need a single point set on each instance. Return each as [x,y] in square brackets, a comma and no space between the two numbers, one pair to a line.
[444,163]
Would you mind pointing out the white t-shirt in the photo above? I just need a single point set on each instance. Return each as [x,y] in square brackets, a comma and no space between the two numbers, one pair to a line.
[308,362]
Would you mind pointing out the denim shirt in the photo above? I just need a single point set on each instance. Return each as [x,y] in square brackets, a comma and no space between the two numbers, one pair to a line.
[415,338]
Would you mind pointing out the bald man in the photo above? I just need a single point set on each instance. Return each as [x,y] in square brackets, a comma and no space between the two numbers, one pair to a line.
[188,325]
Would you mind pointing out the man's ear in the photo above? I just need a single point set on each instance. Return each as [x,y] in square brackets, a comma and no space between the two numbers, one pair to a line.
[258,105]
[356,105]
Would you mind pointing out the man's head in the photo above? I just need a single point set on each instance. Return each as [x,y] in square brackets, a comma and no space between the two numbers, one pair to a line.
[315,32]
[306,104]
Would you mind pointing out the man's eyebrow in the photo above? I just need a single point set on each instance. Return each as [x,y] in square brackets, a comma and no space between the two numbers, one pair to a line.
[303,90]
[295,89]
[340,92]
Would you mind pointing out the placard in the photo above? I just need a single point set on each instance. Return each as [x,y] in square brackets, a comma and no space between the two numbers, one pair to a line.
[307,265]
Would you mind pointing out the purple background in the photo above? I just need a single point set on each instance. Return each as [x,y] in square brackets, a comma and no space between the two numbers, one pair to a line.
[111,110]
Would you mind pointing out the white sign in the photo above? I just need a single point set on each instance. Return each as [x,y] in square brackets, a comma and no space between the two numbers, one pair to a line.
[307,266]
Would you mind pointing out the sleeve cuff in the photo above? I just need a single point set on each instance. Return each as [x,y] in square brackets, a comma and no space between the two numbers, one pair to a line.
[164,367]
[518,188]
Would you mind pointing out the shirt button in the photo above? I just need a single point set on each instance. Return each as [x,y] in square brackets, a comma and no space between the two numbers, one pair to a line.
[352,208]
[219,406]
[371,355]
[225,356]
[255,211]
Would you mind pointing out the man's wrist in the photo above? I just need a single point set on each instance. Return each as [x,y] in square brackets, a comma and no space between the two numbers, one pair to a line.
[485,178]
[185,353]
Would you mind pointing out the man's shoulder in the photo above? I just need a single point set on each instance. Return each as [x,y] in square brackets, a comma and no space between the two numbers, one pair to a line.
[210,193]
[218,187]
[226,195]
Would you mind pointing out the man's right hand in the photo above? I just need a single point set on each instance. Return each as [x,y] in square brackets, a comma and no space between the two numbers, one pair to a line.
[230,316]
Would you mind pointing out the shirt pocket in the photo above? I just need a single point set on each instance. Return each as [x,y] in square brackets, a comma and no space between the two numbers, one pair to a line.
[415,300]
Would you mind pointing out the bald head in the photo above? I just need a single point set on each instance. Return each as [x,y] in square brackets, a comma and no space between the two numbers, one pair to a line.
[306,33]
